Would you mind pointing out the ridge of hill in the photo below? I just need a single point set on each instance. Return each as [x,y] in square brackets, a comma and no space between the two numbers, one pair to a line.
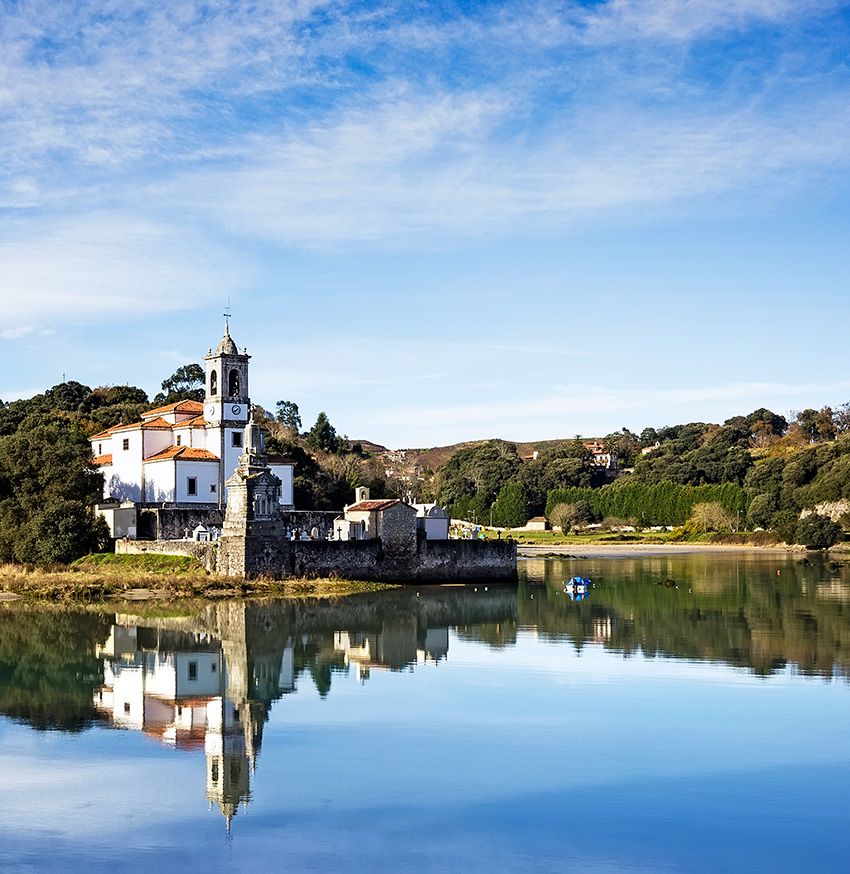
[406,463]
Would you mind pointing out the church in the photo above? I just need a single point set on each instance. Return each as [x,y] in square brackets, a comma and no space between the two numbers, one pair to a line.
[184,453]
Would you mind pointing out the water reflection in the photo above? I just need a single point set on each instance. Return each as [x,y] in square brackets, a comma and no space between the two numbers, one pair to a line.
[765,614]
[206,682]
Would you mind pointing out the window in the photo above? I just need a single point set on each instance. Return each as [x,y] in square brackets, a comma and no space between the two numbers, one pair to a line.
[233,383]
[212,488]
[191,485]
[213,383]
[193,670]
[179,439]
[126,706]
[236,438]
[100,449]
[213,667]
[214,772]
[125,445]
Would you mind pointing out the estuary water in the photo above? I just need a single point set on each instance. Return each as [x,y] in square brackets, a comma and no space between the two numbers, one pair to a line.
[688,714]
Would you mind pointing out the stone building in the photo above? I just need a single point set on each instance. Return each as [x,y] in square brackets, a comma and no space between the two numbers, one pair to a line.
[389,520]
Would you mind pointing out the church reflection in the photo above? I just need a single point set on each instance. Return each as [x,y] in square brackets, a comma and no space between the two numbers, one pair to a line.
[207,683]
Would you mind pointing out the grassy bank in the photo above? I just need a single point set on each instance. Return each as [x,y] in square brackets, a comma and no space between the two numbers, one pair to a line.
[556,538]
[106,577]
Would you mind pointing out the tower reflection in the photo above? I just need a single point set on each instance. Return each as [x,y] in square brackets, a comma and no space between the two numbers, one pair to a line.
[208,681]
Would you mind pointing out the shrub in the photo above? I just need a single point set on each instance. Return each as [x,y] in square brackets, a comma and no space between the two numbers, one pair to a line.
[817,532]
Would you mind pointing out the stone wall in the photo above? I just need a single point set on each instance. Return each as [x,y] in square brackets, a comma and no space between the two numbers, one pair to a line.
[427,561]
[170,523]
[430,561]
[206,553]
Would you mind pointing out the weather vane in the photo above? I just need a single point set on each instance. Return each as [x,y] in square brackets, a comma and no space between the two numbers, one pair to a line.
[227,314]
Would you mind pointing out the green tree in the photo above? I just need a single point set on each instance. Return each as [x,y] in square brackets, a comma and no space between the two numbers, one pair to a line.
[817,532]
[784,523]
[289,416]
[710,516]
[185,384]
[47,488]
[762,508]
[511,508]
[323,435]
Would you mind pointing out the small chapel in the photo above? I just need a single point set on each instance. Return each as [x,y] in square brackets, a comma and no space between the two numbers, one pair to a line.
[183,454]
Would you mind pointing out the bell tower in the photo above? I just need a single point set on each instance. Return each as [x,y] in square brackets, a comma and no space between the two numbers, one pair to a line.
[227,405]
[226,397]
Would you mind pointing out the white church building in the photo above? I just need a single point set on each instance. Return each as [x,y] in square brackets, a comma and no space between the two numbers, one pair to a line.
[183,453]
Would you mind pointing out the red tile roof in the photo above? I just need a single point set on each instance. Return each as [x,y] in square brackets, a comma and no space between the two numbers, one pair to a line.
[103,434]
[371,506]
[178,407]
[197,422]
[155,424]
[183,453]
[101,460]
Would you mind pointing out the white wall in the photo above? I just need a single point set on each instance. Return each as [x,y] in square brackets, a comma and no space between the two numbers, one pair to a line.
[125,479]
[106,470]
[285,473]
[128,688]
[206,474]
[231,453]
[208,681]
[159,480]
[436,528]
[156,440]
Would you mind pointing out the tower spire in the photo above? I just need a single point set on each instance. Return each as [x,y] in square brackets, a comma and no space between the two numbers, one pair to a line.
[227,315]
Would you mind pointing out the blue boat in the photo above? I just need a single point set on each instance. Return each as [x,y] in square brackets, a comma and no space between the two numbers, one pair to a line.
[578,588]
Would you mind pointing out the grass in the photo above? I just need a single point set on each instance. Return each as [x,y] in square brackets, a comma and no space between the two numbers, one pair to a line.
[106,577]
[147,562]
[556,538]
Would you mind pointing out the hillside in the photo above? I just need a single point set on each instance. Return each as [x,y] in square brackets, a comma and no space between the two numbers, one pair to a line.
[409,463]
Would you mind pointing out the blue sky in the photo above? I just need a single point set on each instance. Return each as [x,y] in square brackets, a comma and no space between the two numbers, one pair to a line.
[436,221]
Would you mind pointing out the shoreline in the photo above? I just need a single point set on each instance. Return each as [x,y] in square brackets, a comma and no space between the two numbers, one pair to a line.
[643,550]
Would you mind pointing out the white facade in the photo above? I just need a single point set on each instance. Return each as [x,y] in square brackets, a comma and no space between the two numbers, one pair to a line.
[184,453]
[433,521]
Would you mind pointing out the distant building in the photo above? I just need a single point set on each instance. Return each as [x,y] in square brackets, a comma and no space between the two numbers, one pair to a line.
[387,519]
[537,523]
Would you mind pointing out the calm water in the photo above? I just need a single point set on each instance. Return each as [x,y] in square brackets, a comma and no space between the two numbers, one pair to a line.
[691,714]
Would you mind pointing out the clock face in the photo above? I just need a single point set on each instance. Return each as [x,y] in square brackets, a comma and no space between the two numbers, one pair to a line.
[210,411]
[235,409]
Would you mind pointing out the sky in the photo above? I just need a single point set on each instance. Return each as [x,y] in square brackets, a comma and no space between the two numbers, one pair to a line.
[436,221]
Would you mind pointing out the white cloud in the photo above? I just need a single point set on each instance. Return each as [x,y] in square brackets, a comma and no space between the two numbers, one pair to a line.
[680,20]
[437,166]
[98,267]
[569,409]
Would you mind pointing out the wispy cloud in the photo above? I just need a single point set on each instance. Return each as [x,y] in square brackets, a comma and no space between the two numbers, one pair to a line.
[591,409]
[135,138]
[106,266]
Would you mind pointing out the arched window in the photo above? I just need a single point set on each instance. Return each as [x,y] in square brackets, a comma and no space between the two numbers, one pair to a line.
[213,383]
[233,384]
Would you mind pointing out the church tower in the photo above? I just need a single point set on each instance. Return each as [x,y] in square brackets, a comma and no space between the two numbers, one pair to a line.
[226,405]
